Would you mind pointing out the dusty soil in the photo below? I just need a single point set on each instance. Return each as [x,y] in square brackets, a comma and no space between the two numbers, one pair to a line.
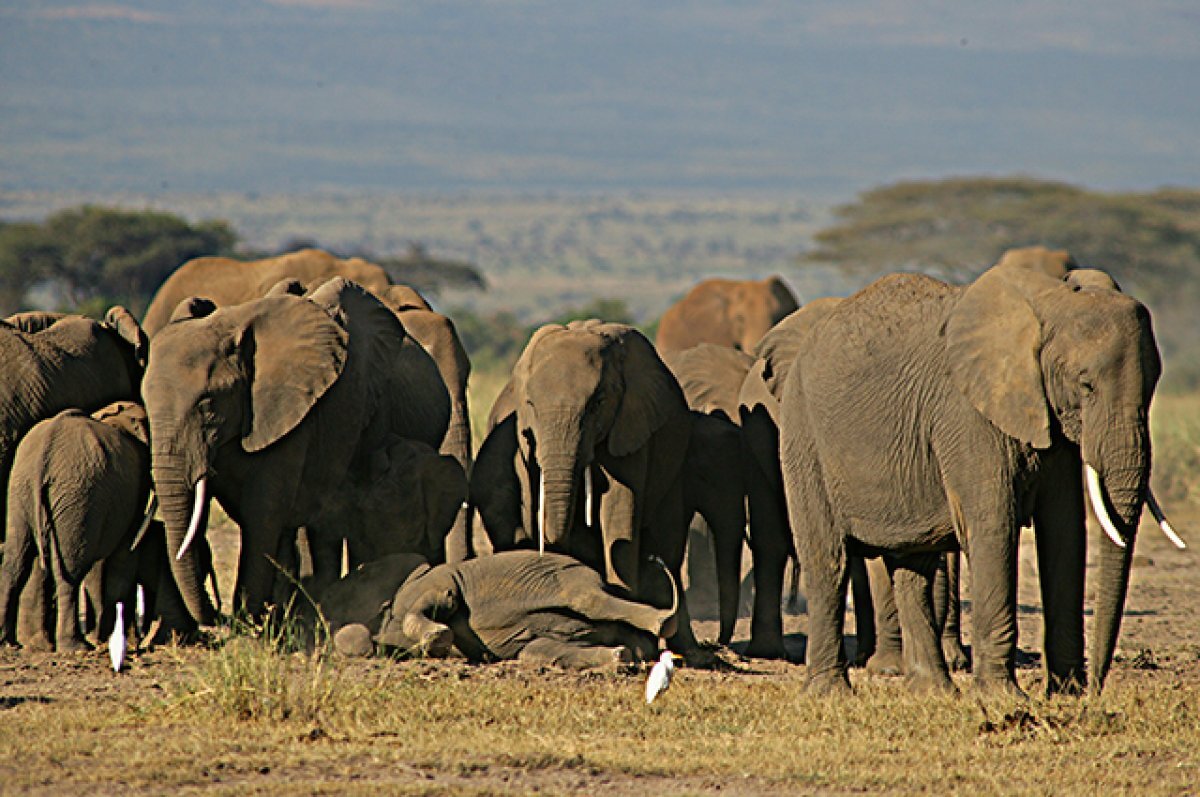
[1160,638]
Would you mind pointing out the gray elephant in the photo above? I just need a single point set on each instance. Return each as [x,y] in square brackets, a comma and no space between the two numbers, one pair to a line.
[723,312]
[712,487]
[273,404]
[52,362]
[225,281]
[544,609]
[405,502]
[78,494]
[602,433]
[919,415]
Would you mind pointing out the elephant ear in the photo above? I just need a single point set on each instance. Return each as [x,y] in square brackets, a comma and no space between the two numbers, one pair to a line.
[651,396]
[193,307]
[994,343]
[412,396]
[295,351]
[504,406]
[124,324]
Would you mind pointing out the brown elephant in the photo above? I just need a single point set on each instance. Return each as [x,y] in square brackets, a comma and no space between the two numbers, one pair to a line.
[78,495]
[226,281]
[542,609]
[52,362]
[731,313]
[274,404]
[919,415]
[602,432]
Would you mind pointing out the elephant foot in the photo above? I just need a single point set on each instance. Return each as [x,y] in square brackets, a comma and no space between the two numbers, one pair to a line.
[353,640]
[74,644]
[930,681]
[1001,683]
[886,662]
[957,658]
[37,643]
[760,648]
[1073,684]
[829,683]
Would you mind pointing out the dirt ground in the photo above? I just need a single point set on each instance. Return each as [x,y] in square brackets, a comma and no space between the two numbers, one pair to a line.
[1160,635]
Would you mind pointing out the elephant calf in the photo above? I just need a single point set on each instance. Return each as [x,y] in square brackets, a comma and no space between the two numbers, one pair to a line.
[76,496]
[548,609]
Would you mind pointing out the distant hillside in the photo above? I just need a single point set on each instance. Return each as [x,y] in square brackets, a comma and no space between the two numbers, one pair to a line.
[539,254]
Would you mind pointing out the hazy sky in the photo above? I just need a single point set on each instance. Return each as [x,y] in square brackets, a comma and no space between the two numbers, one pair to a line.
[822,98]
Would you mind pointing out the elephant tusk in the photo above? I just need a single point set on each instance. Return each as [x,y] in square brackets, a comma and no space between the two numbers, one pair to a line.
[1163,523]
[1095,493]
[587,496]
[197,512]
[151,508]
[541,521]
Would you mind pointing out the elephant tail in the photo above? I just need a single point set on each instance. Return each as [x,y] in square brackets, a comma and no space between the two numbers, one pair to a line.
[671,579]
[45,536]
[793,600]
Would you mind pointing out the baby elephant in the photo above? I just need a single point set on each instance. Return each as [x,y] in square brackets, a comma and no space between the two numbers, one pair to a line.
[548,609]
[76,496]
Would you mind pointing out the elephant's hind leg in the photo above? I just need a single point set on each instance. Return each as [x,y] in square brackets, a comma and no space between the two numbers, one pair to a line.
[544,651]
[912,577]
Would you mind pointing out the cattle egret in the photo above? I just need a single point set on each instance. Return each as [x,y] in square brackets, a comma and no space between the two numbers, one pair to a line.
[116,642]
[660,676]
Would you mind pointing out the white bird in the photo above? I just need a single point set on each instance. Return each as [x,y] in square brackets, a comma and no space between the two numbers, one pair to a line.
[116,642]
[660,676]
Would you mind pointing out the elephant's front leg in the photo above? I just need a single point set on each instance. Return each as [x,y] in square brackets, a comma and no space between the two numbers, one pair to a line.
[770,546]
[912,580]
[864,611]
[1059,520]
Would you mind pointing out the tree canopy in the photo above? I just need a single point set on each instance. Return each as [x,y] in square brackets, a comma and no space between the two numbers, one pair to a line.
[92,254]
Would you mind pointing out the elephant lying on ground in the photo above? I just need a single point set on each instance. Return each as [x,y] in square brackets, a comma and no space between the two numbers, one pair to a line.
[78,493]
[545,609]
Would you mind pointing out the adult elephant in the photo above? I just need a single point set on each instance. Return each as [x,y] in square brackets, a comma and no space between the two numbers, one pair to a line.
[226,281]
[52,362]
[730,313]
[602,432]
[918,415]
[270,406]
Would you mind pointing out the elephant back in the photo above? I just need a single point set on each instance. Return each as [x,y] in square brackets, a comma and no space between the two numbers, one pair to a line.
[711,377]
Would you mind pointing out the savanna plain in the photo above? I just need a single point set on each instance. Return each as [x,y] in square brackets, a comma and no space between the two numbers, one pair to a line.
[247,713]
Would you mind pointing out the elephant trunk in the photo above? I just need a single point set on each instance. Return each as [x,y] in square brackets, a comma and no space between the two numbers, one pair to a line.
[178,508]
[1121,478]
[457,443]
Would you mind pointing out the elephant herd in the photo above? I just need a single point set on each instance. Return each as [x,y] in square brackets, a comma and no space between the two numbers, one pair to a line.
[870,439]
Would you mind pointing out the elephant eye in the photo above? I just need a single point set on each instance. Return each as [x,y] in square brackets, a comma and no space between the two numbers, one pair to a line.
[1086,385]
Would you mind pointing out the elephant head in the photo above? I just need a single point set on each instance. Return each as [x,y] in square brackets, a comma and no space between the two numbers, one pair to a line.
[235,377]
[1045,353]
[584,391]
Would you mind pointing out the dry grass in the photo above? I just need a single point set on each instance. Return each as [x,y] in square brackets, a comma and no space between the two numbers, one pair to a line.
[1175,425]
[448,726]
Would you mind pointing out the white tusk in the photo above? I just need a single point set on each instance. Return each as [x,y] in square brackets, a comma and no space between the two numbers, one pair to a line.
[541,513]
[197,512]
[1163,523]
[587,496]
[151,508]
[1095,493]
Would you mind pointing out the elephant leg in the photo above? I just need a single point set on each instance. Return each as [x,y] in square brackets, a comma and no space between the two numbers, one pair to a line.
[544,651]
[727,525]
[618,518]
[770,547]
[20,574]
[864,611]
[68,636]
[459,545]
[993,559]
[912,579]
[948,606]
[888,658]
[1061,535]
[592,602]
